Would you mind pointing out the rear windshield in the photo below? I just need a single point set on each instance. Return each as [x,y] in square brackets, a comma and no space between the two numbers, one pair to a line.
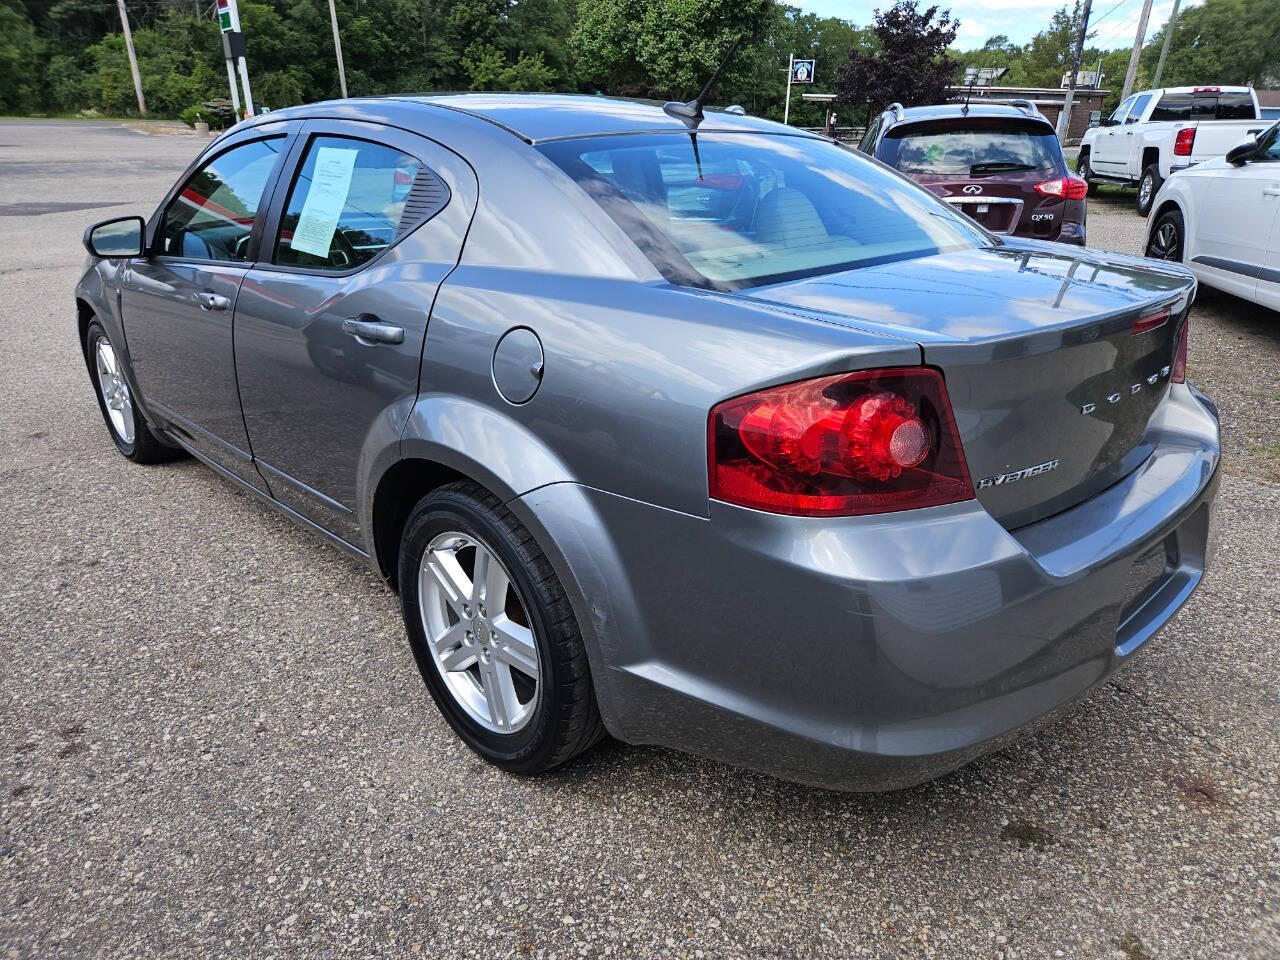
[732,210]
[971,148]
[1204,106]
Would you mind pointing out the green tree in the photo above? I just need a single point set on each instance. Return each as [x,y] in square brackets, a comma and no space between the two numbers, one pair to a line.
[1219,42]
[912,64]
[665,48]
[20,53]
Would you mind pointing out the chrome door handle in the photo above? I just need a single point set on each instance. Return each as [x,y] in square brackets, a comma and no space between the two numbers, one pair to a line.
[369,329]
[209,300]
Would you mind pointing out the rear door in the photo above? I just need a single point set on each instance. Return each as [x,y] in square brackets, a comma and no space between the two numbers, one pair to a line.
[330,322]
[178,301]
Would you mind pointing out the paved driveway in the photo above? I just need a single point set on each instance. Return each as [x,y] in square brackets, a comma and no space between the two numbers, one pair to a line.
[214,743]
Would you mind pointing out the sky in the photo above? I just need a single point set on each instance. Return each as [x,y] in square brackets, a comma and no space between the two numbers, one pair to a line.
[1116,22]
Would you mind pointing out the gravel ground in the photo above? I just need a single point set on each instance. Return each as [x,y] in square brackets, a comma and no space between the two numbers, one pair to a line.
[214,741]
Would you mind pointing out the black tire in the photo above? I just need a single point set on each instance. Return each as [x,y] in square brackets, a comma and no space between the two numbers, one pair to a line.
[566,719]
[145,446]
[1169,226]
[1148,187]
[1086,172]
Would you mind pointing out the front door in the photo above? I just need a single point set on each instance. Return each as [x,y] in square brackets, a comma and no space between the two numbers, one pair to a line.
[1268,293]
[178,302]
[330,323]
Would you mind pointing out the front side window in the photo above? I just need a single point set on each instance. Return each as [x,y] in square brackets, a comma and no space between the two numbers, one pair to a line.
[1121,110]
[212,216]
[1139,105]
[1269,144]
[868,142]
[348,203]
[971,148]
[735,210]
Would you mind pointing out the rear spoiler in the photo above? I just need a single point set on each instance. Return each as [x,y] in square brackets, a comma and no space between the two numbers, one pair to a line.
[1027,107]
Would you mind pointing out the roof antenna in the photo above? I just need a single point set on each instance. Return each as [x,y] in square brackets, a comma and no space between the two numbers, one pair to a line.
[690,114]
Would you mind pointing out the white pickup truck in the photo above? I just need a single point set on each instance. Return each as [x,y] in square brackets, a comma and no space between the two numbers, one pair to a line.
[1155,133]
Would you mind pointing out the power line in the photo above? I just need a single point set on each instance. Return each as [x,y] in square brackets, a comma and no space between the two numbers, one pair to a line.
[1098,20]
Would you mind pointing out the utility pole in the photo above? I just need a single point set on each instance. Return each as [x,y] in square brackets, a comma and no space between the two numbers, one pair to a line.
[1138,39]
[1164,49]
[1064,118]
[786,109]
[133,57]
[337,49]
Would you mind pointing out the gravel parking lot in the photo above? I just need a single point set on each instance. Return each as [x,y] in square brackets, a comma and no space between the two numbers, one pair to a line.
[214,741]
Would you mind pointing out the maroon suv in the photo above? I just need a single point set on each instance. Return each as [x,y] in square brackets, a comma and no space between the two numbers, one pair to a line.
[1001,164]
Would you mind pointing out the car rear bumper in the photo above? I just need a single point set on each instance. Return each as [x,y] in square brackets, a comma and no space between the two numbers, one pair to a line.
[872,653]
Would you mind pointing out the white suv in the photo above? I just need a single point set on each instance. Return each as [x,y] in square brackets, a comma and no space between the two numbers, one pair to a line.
[1222,219]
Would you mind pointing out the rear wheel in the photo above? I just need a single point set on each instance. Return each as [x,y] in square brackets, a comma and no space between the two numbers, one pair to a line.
[125,423]
[493,633]
[1148,187]
[1166,239]
[1086,172]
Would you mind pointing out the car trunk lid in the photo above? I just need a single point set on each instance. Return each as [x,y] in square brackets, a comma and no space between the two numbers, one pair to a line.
[1051,386]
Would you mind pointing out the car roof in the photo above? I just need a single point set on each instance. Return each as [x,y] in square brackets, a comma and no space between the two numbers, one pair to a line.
[538,117]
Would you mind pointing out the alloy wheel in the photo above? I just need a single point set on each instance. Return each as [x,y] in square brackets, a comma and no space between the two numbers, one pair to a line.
[1144,191]
[1164,243]
[115,392]
[479,632]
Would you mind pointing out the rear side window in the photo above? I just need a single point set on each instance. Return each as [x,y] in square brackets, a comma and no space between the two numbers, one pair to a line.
[733,210]
[351,200]
[1173,106]
[868,142]
[212,216]
[971,148]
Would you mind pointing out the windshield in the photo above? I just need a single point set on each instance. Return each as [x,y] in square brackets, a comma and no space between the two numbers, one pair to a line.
[971,148]
[748,209]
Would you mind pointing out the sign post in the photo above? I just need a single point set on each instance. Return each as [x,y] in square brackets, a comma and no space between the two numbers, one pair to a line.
[234,48]
[798,71]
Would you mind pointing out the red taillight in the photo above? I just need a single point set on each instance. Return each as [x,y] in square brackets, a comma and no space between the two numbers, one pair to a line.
[1183,142]
[1073,188]
[855,443]
[1179,374]
[1150,321]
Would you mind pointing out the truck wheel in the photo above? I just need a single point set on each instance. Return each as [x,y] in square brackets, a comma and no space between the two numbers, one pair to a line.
[1148,187]
[1086,172]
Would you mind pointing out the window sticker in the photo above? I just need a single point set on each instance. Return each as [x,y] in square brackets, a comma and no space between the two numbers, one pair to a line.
[330,184]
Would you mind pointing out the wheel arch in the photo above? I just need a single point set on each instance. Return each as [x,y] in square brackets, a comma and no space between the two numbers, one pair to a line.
[1150,155]
[1170,202]
[450,438]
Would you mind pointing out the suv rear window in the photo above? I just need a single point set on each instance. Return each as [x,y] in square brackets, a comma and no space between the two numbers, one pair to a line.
[727,210]
[971,147]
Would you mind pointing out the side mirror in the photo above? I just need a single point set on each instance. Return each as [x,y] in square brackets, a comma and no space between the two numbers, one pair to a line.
[1242,152]
[121,237]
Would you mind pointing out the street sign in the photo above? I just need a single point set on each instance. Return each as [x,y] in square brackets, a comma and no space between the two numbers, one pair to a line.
[802,71]
[228,15]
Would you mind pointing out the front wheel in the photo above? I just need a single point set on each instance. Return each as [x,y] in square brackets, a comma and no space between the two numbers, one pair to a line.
[493,633]
[1148,187]
[125,423]
[1166,239]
